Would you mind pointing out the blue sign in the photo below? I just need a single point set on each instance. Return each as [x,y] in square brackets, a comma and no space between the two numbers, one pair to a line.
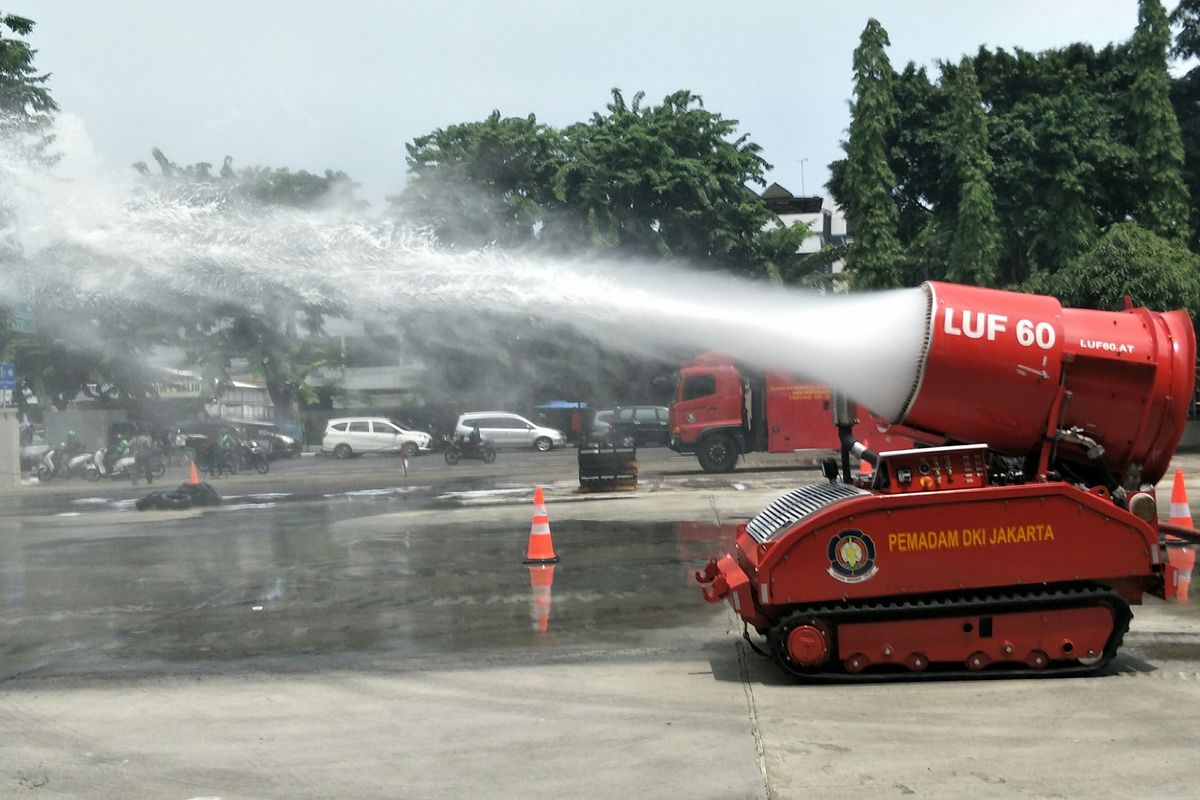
[7,379]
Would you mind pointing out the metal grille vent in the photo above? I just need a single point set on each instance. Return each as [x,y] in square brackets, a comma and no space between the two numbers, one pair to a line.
[796,505]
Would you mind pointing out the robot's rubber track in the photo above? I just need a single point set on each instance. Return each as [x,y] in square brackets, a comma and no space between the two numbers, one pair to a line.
[933,606]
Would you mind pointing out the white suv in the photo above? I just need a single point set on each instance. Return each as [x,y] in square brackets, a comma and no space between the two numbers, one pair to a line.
[352,436]
[503,429]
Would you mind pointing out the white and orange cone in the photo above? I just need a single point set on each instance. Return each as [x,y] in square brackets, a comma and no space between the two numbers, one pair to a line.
[193,475]
[541,546]
[1181,557]
[541,579]
[1180,513]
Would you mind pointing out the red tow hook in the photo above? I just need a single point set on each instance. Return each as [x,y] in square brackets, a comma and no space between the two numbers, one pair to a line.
[712,583]
[708,573]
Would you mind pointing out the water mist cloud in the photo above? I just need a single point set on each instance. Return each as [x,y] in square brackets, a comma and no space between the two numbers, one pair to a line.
[100,237]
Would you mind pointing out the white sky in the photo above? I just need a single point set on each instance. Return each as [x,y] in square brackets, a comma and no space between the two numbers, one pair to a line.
[344,85]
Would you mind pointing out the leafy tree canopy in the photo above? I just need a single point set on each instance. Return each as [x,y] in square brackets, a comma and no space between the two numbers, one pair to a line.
[649,181]
[23,92]
[1127,259]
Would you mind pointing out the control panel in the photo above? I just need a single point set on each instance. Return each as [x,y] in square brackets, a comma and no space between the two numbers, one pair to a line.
[931,469]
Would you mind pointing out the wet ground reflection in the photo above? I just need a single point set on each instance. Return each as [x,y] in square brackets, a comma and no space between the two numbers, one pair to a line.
[276,587]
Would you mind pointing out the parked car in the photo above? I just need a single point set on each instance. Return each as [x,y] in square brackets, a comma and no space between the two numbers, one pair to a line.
[351,436]
[601,425]
[503,429]
[640,425]
[275,442]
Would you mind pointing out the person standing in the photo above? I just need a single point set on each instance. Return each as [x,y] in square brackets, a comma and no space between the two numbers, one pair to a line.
[143,449]
[226,452]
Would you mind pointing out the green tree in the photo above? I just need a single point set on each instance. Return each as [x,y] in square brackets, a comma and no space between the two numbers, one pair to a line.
[1129,260]
[265,328]
[975,242]
[664,181]
[1185,97]
[25,100]
[1164,206]
[1186,17]
[481,183]
[26,111]
[876,256]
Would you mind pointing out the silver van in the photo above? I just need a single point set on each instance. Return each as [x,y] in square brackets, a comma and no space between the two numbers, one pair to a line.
[503,429]
[351,436]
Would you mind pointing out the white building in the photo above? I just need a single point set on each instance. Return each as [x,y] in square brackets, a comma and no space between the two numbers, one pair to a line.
[821,214]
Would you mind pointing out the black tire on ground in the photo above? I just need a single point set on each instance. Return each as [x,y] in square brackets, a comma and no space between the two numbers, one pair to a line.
[451,457]
[174,501]
[230,463]
[627,440]
[261,464]
[92,474]
[489,455]
[44,474]
[342,451]
[542,444]
[717,453]
[158,467]
[202,494]
[149,501]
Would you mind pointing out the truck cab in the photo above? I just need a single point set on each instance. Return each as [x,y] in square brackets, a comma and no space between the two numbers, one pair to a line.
[710,406]
[721,411]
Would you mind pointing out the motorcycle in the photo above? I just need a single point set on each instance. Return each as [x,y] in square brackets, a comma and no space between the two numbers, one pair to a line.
[251,455]
[54,464]
[123,467]
[461,448]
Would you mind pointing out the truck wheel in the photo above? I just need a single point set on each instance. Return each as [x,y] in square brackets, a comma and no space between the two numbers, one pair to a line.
[718,453]
[342,451]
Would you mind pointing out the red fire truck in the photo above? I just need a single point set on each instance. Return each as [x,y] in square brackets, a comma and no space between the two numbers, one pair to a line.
[722,410]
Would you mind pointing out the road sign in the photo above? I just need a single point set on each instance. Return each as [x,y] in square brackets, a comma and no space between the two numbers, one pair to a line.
[8,379]
[20,318]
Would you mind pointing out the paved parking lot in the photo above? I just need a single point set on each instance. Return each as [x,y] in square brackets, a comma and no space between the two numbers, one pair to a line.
[337,629]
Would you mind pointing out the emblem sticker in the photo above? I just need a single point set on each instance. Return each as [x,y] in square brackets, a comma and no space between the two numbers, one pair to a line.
[852,557]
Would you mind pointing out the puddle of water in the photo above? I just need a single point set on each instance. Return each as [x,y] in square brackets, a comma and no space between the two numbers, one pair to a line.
[210,592]
[391,492]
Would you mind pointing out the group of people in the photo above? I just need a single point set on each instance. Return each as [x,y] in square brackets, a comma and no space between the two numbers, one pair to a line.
[219,452]
[140,446]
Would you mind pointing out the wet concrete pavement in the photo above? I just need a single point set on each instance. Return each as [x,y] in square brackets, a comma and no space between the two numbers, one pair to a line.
[385,640]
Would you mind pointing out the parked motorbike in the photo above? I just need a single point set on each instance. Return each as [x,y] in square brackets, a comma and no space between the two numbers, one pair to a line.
[461,447]
[122,468]
[54,464]
[251,455]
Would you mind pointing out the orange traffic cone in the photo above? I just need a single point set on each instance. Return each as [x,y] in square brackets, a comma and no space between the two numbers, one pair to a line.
[193,475]
[541,579]
[864,466]
[1183,559]
[1180,513]
[541,547]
